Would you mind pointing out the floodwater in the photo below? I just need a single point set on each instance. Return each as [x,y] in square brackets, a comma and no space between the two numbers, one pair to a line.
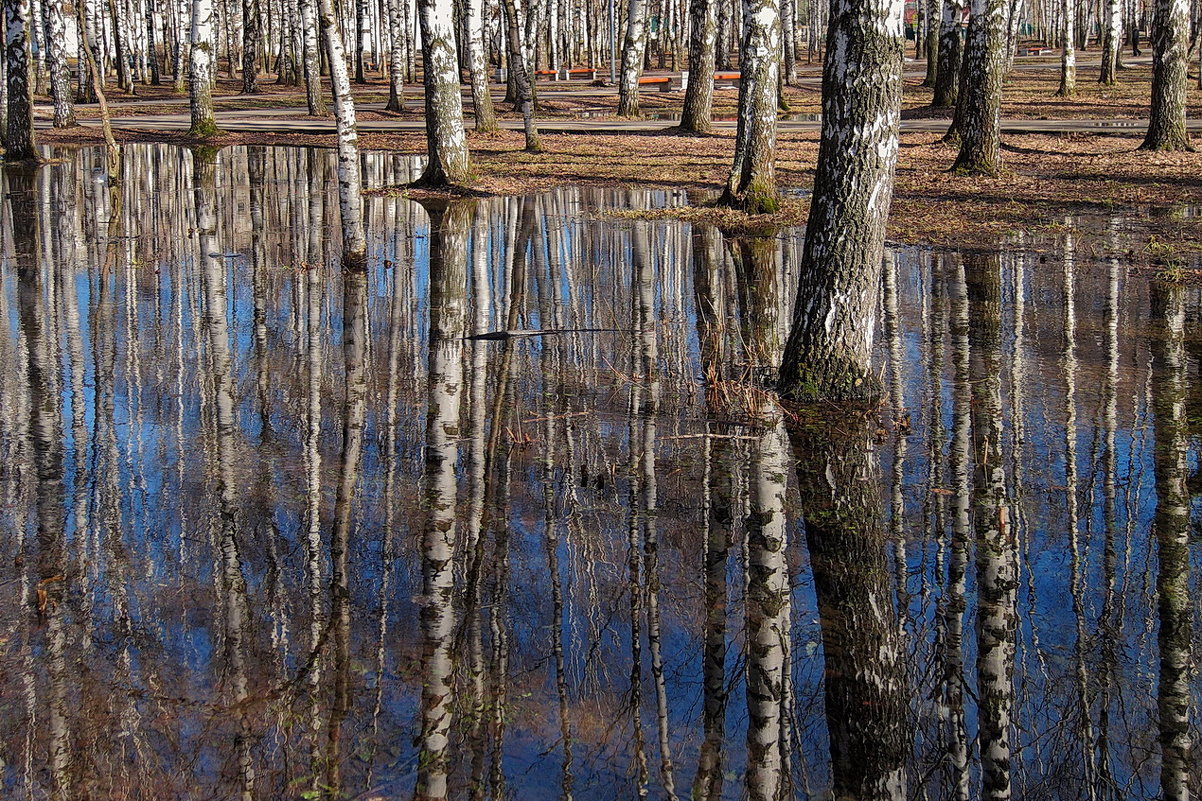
[269,532]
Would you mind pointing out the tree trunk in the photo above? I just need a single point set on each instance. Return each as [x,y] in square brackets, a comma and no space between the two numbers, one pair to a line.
[396,57]
[251,33]
[866,697]
[977,121]
[699,94]
[1170,45]
[350,180]
[933,30]
[752,182]
[1171,527]
[19,144]
[311,57]
[520,78]
[1068,58]
[200,88]
[486,118]
[60,71]
[633,50]
[830,344]
[788,14]
[449,225]
[446,144]
[997,551]
[947,77]
[1111,36]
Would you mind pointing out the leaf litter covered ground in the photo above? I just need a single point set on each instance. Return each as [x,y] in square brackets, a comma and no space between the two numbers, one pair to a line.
[1049,178]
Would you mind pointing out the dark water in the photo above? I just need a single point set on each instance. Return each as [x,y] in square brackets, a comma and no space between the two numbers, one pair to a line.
[272,532]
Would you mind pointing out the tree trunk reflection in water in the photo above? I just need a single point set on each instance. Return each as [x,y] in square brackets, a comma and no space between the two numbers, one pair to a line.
[997,555]
[232,582]
[354,420]
[46,445]
[768,605]
[867,698]
[449,224]
[1171,527]
[721,466]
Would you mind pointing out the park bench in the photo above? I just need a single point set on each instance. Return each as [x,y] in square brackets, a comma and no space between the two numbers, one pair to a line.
[721,79]
[662,81]
[546,75]
[1035,49]
[578,73]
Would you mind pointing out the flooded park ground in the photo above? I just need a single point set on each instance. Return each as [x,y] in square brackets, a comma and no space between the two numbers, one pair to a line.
[515,507]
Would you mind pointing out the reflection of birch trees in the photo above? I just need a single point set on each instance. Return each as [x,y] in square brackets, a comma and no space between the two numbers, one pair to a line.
[1171,528]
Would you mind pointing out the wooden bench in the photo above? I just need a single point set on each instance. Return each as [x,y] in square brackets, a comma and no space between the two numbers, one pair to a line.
[580,73]
[546,75]
[662,81]
[727,79]
[1035,50]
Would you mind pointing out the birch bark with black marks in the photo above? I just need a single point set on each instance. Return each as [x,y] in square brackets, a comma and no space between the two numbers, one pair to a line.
[997,549]
[634,50]
[201,71]
[1112,33]
[60,70]
[252,24]
[950,56]
[752,182]
[19,143]
[699,94]
[1170,61]
[396,57]
[311,59]
[1068,56]
[830,343]
[1171,527]
[447,160]
[449,223]
[477,57]
[977,124]
[520,77]
[350,176]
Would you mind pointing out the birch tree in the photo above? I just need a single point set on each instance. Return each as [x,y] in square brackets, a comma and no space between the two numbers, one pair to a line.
[201,70]
[350,179]
[449,225]
[977,123]
[1170,56]
[950,56]
[1171,527]
[521,79]
[447,161]
[1068,56]
[1112,30]
[634,48]
[396,57]
[830,343]
[251,25]
[486,118]
[752,182]
[699,94]
[60,70]
[311,58]
[19,142]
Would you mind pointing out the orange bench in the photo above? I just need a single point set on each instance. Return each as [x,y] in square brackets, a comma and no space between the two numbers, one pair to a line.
[728,78]
[585,73]
[663,82]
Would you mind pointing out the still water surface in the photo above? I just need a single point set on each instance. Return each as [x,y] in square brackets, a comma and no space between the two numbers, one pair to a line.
[268,531]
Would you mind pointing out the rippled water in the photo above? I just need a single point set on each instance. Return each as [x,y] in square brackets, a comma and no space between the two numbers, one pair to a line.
[269,531]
